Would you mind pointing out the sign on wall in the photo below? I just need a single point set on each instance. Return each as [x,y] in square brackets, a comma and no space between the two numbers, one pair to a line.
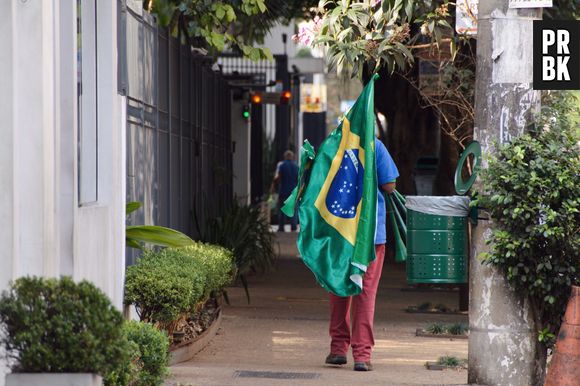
[466,17]
[312,97]
[530,3]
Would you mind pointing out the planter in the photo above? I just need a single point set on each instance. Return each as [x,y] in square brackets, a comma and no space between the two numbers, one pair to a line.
[426,334]
[178,336]
[415,310]
[186,351]
[438,366]
[53,379]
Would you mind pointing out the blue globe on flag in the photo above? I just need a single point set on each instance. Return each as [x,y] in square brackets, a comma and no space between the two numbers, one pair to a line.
[346,189]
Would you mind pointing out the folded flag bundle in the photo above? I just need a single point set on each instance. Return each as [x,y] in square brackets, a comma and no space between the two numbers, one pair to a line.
[397,215]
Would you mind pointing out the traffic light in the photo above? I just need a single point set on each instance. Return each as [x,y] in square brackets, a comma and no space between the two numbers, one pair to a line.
[271,98]
[256,98]
[246,112]
[285,97]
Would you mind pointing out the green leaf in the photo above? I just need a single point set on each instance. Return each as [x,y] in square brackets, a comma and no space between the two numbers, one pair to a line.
[131,207]
[344,33]
[230,13]
[218,41]
[255,54]
[133,244]
[156,235]
[409,9]
[220,12]
[164,11]
[267,54]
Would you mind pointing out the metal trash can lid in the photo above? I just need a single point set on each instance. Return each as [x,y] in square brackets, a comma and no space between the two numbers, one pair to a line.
[463,186]
[454,206]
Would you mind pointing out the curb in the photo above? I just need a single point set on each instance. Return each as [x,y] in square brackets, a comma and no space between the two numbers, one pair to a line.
[187,351]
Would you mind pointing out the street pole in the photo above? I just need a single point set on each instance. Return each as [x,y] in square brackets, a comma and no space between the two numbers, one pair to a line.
[502,338]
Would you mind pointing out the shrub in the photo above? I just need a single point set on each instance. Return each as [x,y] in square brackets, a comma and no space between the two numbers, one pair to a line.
[217,264]
[161,289]
[534,200]
[531,190]
[59,326]
[167,283]
[451,361]
[126,372]
[457,329]
[435,328]
[442,307]
[426,306]
[149,358]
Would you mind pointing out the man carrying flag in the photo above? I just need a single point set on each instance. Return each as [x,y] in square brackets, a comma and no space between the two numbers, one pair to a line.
[342,215]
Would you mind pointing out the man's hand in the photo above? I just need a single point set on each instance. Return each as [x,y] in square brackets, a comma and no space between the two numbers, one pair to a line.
[389,187]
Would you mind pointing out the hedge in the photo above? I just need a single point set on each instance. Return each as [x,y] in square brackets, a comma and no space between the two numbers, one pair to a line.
[166,284]
[148,364]
[60,326]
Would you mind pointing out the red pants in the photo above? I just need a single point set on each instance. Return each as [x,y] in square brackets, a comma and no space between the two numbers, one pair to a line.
[361,315]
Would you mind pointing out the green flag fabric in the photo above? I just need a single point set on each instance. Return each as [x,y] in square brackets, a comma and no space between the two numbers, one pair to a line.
[398,226]
[337,196]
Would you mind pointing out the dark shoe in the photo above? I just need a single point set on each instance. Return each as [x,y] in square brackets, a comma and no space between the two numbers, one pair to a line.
[335,359]
[363,366]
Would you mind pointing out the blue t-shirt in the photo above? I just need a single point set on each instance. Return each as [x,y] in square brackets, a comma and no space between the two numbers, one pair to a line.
[288,172]
[386,172]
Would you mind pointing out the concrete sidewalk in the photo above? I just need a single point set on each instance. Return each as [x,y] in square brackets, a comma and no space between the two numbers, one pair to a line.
[281,338]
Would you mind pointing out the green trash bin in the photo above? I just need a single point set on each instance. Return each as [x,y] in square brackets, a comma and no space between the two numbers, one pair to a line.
[437,248]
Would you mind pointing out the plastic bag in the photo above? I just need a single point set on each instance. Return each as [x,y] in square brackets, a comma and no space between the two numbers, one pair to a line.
[273,201]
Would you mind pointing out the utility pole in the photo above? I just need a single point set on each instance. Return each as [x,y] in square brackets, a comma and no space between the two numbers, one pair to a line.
[502,337]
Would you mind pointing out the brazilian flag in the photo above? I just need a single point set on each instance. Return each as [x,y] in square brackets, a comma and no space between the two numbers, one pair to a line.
[337,196]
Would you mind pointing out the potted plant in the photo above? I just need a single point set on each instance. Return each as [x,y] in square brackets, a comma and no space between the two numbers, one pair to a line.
[58,332]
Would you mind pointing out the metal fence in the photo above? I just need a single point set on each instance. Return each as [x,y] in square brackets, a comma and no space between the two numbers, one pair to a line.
[179,150]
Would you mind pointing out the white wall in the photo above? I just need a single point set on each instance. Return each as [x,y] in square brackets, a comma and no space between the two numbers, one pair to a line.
[44,231]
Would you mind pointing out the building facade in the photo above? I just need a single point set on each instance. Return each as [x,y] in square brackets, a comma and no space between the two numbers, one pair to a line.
[62,146]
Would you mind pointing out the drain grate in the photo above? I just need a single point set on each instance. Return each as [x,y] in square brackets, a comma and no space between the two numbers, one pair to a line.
[274,375]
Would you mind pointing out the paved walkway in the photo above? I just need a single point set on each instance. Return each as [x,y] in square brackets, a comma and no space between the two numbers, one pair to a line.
[281,338]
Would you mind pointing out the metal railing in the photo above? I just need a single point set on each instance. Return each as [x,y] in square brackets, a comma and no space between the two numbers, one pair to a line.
[179,149]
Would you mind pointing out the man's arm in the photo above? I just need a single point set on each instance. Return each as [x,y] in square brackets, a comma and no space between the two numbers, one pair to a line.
[387,172]
[276,179]
[389,187]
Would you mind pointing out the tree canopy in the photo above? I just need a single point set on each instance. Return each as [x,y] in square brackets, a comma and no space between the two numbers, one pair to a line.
[378,33]
[227,24]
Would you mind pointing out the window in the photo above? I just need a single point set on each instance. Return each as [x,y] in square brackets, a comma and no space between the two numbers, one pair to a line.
[87,101]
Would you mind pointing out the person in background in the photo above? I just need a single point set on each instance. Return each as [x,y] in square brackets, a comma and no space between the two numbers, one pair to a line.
[285,178]
[361,317]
